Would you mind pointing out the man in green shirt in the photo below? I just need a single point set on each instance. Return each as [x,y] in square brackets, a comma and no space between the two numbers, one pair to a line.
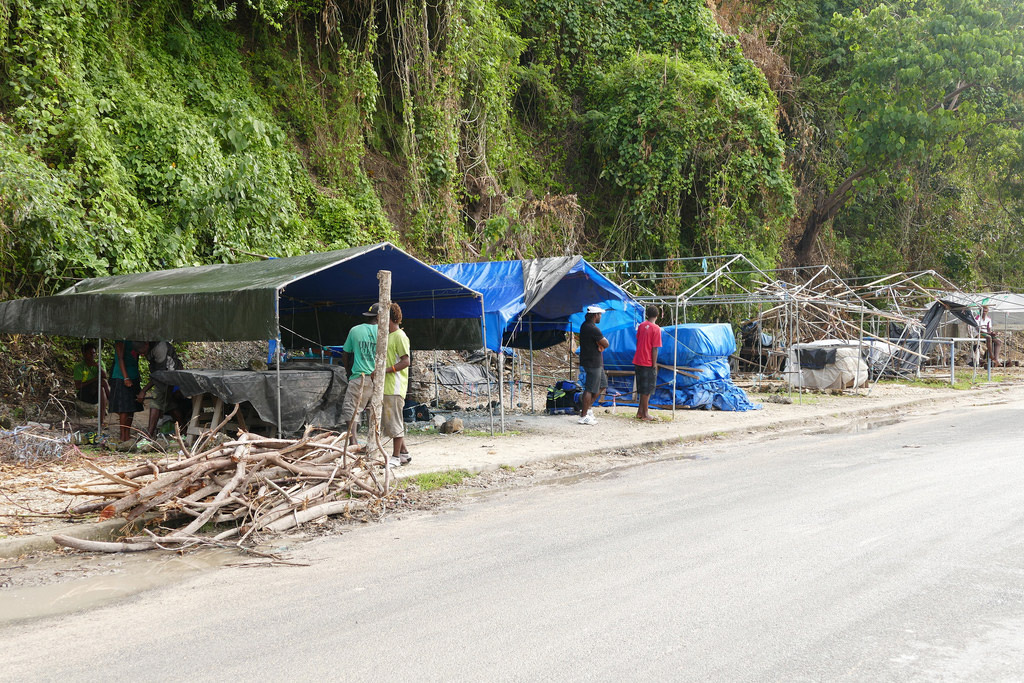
[91,381]
[359,355]
[396,383]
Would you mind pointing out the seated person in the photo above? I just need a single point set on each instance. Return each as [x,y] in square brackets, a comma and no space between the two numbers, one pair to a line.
[993,344]
[90,380]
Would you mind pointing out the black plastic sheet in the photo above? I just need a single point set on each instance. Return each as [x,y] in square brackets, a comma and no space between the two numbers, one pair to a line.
[310,393]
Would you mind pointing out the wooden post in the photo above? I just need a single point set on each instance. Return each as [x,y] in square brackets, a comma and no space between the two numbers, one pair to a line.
[383,319]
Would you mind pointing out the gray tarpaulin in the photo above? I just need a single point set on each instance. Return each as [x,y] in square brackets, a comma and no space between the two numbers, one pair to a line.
[463,376]
[314,297]
[310,393]
[847,371]
[542,274]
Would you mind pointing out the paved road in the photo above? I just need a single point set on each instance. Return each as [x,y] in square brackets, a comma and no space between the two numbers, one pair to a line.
[890,554]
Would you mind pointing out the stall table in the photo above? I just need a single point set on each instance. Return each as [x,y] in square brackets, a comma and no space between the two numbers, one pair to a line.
[311,393]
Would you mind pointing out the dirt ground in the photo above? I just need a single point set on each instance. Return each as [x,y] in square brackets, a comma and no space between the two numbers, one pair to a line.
[43,577]
[535,448]
[30,501]
[47,583]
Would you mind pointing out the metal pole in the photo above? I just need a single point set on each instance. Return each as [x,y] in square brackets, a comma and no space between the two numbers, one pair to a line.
[675,355]
[100,404]
[532,409]
[867,362]
[569,354]
[790,351]
[277,359]
[501,388]
[512,386]
[487,364]
[796,338]
[952,362]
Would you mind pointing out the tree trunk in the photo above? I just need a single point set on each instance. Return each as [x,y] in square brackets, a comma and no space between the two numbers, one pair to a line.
[825,208]
[383,320]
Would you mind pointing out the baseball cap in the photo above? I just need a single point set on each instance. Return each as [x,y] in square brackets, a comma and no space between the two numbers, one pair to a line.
[595,309]
[372,313]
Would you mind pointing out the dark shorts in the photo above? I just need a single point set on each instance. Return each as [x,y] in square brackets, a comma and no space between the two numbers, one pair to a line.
[597,380]
[646,379]
[89,393]
[124,399]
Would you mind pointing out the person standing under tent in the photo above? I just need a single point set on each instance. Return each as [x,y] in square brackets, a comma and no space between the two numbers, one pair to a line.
[161,356]
[592,346]
[993,344]
[91,381]
[645,361]
[359,355]
[124,381]
[396,384]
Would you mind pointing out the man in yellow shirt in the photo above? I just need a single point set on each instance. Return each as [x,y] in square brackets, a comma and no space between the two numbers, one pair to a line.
[396,383]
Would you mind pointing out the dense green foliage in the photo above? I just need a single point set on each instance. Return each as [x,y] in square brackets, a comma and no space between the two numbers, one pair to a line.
[138,138]
[685,156]
[700,162]
[905,117]
[157,133]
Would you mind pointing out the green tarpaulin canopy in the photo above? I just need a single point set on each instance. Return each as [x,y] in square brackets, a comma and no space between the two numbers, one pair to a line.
[311,299]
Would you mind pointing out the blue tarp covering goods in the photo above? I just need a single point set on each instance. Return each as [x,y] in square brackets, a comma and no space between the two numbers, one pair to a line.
[548,296]
[703,350]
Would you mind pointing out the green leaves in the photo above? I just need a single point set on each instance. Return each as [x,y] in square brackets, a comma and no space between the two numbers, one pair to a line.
[915,65]
[136,145]
[700,160]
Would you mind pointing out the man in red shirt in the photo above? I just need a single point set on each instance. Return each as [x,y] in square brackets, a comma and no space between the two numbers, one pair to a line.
[645,361]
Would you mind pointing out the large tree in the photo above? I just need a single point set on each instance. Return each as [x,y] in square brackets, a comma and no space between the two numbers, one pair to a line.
[924,79]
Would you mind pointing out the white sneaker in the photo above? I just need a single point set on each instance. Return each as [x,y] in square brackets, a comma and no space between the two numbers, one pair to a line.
[394,462]
[588,419]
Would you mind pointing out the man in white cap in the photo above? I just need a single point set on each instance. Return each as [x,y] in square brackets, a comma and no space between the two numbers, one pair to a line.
[359,356]
[592,346]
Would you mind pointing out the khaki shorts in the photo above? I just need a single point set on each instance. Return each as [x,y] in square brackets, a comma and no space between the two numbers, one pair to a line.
[160,397]
[357,397]
[392,425]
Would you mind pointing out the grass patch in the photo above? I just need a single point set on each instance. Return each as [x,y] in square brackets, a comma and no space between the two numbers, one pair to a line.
[428,481]
[485,432]
[507,468]
[936,383]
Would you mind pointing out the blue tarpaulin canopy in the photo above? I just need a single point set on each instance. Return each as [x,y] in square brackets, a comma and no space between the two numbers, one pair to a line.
[702,349]
[312,299]
[543,297]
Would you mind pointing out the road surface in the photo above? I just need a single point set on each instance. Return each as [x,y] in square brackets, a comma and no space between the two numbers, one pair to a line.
[886,554]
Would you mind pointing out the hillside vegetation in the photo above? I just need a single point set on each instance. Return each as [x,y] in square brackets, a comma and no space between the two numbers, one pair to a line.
[147,134]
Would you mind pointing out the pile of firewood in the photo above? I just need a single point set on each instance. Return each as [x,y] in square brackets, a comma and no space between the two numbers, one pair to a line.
[241,488]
